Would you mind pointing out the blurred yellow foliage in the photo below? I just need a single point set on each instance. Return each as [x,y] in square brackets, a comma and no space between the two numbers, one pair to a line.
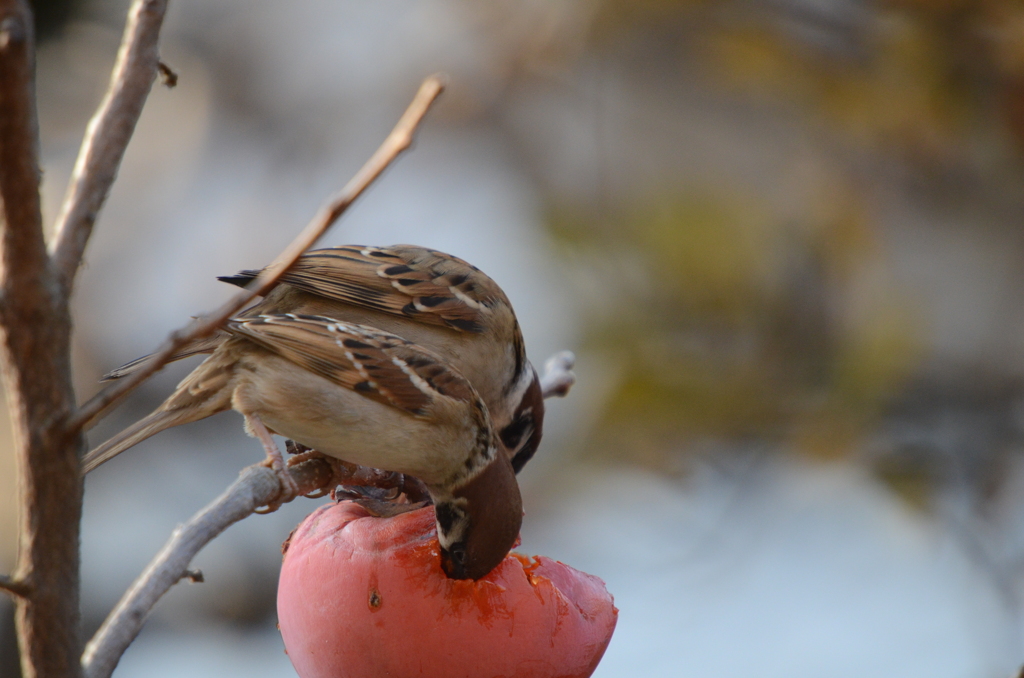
[742,326]
[735,319]
[913,75]
[706,252]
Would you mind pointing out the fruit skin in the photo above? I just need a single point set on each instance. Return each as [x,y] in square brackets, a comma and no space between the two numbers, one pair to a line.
[361,597]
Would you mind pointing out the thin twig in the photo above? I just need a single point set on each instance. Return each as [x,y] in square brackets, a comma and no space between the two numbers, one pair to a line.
[558,376]
[14,587]
[107,136]
[256,486]
[400,139]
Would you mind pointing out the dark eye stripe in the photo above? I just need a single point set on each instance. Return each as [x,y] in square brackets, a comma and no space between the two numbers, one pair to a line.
[446,516]
[526,452]
[513,433]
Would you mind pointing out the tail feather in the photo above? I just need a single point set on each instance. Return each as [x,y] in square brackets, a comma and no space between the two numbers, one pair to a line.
[205,345]
[205,392]
[240,279]
[135,434]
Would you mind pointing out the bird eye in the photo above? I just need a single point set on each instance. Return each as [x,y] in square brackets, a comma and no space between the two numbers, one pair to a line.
[458,554]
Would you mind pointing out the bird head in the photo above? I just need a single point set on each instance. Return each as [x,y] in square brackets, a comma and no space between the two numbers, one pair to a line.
[522,434]
[479,523]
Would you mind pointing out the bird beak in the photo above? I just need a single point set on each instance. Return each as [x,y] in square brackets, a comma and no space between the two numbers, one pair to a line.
[494,509]
[451,568]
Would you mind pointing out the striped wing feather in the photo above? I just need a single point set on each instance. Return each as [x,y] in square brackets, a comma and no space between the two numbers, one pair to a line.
[376,364]
[427,285]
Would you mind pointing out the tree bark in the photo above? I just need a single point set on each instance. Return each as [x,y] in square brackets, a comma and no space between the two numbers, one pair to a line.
[35,328]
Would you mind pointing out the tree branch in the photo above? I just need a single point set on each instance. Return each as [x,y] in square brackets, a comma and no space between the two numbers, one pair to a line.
[256,486]
[558,376]
[19,164]
[14,587]
[35,332]
[107,136]
[400,139]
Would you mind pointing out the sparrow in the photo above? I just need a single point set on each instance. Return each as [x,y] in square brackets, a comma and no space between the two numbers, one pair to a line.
[434,299]
[367,397]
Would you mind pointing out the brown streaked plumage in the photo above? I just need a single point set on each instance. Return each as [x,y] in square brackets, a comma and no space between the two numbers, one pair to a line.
[431,298]
[368,397]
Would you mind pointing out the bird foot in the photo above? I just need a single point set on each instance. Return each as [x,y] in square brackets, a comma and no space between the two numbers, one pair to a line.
[349,475]
[379,502]
[289,488]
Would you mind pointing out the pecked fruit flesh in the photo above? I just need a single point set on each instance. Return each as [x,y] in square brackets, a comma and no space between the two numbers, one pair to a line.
[362,597]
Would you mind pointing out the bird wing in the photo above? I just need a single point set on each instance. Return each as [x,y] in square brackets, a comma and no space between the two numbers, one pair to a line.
[429,286]
[379,365]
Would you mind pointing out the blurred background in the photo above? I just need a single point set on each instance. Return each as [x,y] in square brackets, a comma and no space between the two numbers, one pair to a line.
[782,236]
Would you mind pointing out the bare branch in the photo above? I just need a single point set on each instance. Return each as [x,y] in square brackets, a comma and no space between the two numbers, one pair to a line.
[107,136]
[400,139]
[36,367]
[256,486]
[14,587]
[558,376]
[19,164]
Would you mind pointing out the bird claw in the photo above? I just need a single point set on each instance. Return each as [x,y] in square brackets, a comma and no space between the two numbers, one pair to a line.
[292,447]
[270,508]
[379,502]
[289,488]
[374,486]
